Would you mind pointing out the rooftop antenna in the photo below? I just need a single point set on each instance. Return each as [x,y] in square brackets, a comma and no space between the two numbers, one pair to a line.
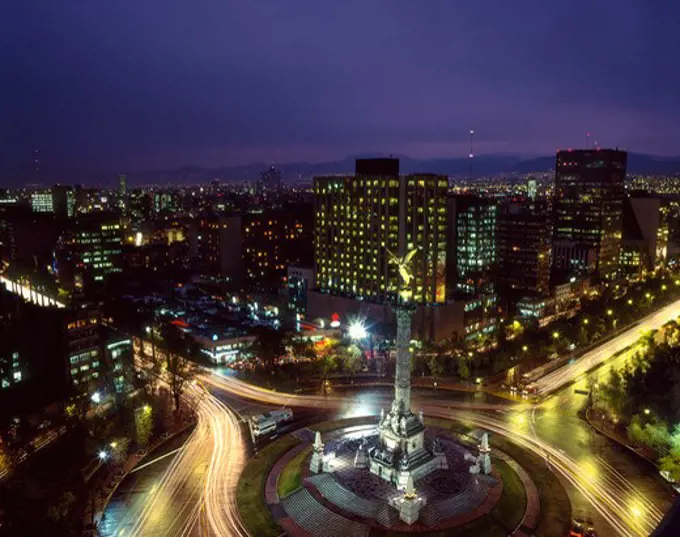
[471,155]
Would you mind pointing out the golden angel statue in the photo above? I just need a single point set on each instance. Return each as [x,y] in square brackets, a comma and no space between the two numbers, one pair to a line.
[404,267]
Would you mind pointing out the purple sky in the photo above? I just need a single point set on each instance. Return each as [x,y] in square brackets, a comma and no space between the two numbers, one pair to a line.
[130,84]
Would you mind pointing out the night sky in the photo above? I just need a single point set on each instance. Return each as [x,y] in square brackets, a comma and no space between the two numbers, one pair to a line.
[126,85]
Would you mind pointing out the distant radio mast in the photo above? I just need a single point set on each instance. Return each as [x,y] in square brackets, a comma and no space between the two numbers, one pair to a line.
[471,154]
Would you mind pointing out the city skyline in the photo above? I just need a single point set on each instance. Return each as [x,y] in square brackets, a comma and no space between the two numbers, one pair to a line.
[272,83]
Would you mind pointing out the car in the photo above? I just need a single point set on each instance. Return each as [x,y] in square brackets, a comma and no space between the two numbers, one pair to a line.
[577,529]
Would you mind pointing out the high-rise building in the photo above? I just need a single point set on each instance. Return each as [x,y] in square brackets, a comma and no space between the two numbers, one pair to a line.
[524,248]
[59,200]
[473,252]
[532,189]
[644,236]
[122,191]
[41,202]
[270,181]
[360,219]
[587,213]
[63,201]
[90,250]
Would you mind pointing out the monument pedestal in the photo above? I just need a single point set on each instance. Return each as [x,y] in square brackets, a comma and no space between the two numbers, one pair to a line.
[401,452]
[408,505]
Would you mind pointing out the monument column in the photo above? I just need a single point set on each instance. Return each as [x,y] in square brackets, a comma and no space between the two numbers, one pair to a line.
[402,377]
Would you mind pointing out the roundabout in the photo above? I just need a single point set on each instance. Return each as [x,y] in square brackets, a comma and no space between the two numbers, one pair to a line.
[278,492]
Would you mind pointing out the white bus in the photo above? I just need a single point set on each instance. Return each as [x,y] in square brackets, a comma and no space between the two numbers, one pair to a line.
[267,422]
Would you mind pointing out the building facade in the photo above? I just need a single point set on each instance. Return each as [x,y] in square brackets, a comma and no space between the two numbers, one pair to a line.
[90,250]
[588,210]
[473,249]
[360,220]
[524,250]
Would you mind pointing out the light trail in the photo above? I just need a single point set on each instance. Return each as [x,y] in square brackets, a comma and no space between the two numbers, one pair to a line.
[610,494]
[571,372]
[206,470]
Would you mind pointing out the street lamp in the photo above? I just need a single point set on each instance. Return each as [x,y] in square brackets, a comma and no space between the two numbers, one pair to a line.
[525,348]
[610,312]
[96,397]
[357,330]
[585,321]
[647,411]
[148,329]
[556,335]
[103,455]
[630,301]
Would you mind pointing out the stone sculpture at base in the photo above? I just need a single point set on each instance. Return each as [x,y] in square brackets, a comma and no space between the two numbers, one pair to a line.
[316,464]
[409,504]
[484,458]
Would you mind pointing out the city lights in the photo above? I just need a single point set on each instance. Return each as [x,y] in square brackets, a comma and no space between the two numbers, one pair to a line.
[357,330]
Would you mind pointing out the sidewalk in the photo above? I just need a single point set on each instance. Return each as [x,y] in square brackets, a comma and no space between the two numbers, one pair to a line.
[602,427]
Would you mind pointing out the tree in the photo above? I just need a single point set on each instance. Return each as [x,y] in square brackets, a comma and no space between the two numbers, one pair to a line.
[302,349]
[179,370]
[269,345]
[436,366]
[463,368]
[351,359]
[143,424]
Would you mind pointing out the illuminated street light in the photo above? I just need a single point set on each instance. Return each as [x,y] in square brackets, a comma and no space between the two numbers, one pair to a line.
[556,335]
[525,348]
[357,330]
[610,312]
[148,329]
[585,321]
[664,287]
[103,455]
[147,408]
[113,445]
[96,397]
[647,411]
[630,301]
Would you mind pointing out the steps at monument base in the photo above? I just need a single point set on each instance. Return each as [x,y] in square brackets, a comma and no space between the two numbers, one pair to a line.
[467,500]
[317,519]
[346,500]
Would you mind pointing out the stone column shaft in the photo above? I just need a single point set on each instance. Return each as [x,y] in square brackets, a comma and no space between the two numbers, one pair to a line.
[402,377]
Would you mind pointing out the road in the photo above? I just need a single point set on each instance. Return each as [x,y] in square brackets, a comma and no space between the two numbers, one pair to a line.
[571,372]
[597,474]
[195,495]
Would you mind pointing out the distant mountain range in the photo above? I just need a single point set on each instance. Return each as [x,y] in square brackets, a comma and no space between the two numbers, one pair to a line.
[191,175]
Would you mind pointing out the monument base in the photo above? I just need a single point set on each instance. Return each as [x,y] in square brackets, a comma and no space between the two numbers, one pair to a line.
[400,450]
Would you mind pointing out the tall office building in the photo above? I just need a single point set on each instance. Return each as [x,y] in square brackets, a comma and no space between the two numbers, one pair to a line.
[524,249]
[472,256]
[122,191]
[644,237]
[587,213]
[269,182]
[360,219]
[90,250]
[41,202]
[63,201]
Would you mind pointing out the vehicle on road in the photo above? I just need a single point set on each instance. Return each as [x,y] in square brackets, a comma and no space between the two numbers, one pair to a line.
[267,423]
